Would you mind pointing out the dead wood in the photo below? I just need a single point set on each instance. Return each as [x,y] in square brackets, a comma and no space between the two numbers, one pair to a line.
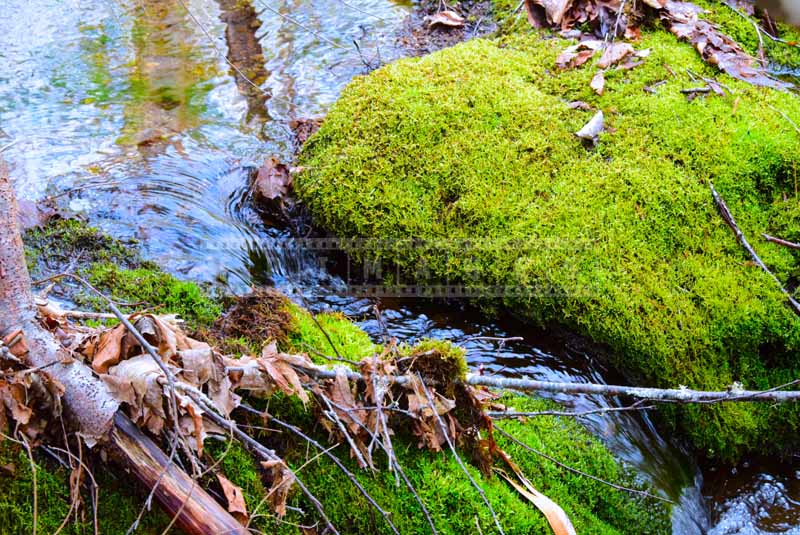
[181,497]
[89,406]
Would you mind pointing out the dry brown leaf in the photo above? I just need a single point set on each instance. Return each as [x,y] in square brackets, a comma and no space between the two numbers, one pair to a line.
[716,48]
[273,180]
[555,515]
[447,18]
[614,53]
[598,82]
[282,481]
[137,382]
[235,497]
[554,9]
[108,350]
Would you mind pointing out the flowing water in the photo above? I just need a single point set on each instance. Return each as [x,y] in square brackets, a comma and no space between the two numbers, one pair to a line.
[129,113]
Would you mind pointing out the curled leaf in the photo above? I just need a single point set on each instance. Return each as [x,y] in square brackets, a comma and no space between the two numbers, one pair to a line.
[235,497]
[593,128]
[446,18]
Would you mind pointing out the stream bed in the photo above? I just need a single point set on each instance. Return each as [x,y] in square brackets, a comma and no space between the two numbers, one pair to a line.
[128,113]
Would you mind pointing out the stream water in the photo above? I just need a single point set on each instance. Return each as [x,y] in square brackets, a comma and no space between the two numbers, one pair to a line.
[127,112]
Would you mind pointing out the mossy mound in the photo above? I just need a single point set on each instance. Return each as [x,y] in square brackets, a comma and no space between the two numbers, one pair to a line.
[471,152]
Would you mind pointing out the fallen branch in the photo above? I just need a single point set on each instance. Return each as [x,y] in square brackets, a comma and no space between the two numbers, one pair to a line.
[779,241]
[728,217]
[664,395]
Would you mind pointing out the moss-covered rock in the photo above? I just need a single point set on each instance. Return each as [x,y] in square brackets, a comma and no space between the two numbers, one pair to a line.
[622,241]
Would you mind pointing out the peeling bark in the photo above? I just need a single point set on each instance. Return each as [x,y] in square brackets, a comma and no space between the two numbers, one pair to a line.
[87,402]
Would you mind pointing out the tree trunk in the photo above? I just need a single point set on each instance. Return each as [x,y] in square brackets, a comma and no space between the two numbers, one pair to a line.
[88,404]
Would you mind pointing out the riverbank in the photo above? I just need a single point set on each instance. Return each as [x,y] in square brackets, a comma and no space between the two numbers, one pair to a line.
[621,241]
[244,325]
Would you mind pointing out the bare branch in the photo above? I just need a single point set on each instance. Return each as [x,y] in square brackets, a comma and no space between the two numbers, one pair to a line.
[728,217]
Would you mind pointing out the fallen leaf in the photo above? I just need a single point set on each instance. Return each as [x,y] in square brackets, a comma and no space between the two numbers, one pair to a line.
[554,9]
[273,180]
[303,129]
[715,47]
[235,497]
[598,82]
[108,351]
[447,18]
[555,515]
[614,53]
[580,105]
[633,33]
[593,128]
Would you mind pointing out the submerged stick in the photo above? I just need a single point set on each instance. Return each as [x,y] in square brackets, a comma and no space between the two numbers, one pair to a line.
[728,217]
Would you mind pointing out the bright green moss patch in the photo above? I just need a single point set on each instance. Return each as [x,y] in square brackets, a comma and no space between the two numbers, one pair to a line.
[621,241]
[64,240]
[455,505]
[306,336]
[155,288]
[118,502]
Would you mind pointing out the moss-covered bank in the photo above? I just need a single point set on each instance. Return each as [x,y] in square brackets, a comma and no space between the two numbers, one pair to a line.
[620,241]
[453,503]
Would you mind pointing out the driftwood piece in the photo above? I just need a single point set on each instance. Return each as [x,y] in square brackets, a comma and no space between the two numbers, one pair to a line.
[194,510]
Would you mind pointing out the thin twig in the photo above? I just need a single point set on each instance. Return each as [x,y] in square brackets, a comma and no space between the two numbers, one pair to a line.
[579,472]
[779,241]
[728,217]
[338,463]
[398,468]
[262,451]
[638,406]
[35,486]
[446,434]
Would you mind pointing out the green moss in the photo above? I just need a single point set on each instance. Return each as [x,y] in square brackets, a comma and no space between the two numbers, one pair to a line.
[350,341]
[118,503]
[621,241]
[454,503]
[152,287]
[63,240]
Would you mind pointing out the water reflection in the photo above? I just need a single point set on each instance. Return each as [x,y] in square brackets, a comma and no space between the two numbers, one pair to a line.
[245,55]
[129,111]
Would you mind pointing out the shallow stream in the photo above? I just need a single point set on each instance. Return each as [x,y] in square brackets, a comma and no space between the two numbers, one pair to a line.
[128,112]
